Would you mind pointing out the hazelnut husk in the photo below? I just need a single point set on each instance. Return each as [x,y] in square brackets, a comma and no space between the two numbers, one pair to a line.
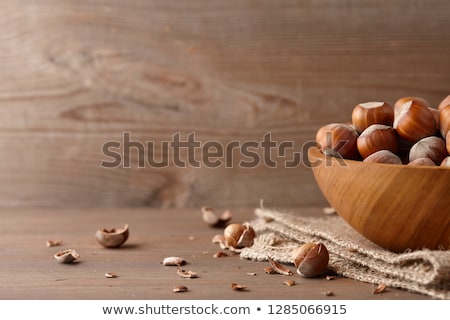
[112,238]
[311,259]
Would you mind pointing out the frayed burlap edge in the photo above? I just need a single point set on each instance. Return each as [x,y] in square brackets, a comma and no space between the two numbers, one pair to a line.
[351,255]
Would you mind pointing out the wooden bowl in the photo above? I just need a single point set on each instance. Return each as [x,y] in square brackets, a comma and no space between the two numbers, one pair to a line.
[398,207]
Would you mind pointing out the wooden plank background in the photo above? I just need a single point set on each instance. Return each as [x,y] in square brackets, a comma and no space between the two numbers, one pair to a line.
[77,74]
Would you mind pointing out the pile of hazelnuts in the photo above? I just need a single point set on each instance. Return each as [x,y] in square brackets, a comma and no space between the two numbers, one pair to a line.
[411,132]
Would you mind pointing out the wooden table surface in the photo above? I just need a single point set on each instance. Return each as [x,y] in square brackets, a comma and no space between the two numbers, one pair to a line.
[28,271]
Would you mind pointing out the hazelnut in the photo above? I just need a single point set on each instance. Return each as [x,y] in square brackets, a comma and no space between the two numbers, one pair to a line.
[366,114]
[437,115]
[447,141]
[401,101]
[444,120]
[377,137]
[340,138]
[445,162]
[430,147]
[238,236]
[414,121]
[383,156]
[112,238]
[445,102]
[422,162]
[311,259]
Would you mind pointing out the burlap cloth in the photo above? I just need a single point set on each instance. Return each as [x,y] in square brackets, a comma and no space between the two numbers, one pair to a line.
[351,255]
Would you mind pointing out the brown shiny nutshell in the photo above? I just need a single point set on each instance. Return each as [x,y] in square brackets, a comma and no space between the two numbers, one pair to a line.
[311,259]
[238,236]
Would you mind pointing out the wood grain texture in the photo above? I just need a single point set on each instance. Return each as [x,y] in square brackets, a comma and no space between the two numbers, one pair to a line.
[398,207]
[75,75]
[28,270]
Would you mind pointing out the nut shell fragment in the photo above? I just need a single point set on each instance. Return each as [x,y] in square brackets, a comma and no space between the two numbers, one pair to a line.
[53,243]
[187,274]
[210,217]
[66,256]
[110,275]
[220,254]
[380,288]
[269,270]
[178,289]
[112,238]
[329,210]
[289,283]
[279,268]
[238,287]
[173,261]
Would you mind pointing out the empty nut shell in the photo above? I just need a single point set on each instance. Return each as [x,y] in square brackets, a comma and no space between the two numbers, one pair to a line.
[238,287]
[311,259]
[238,236]
[110,275]
[210,217]
[112,238]
[173,261]
[187,274]
[178,289]
[279,268]
[53,243]
[66,256]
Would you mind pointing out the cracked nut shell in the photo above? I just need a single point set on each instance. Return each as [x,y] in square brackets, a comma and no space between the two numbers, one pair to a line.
[239,236]
[311,260]
[112,238]
[66,256]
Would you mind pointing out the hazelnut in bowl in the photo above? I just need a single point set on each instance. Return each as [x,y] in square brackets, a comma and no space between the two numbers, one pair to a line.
[398,207]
